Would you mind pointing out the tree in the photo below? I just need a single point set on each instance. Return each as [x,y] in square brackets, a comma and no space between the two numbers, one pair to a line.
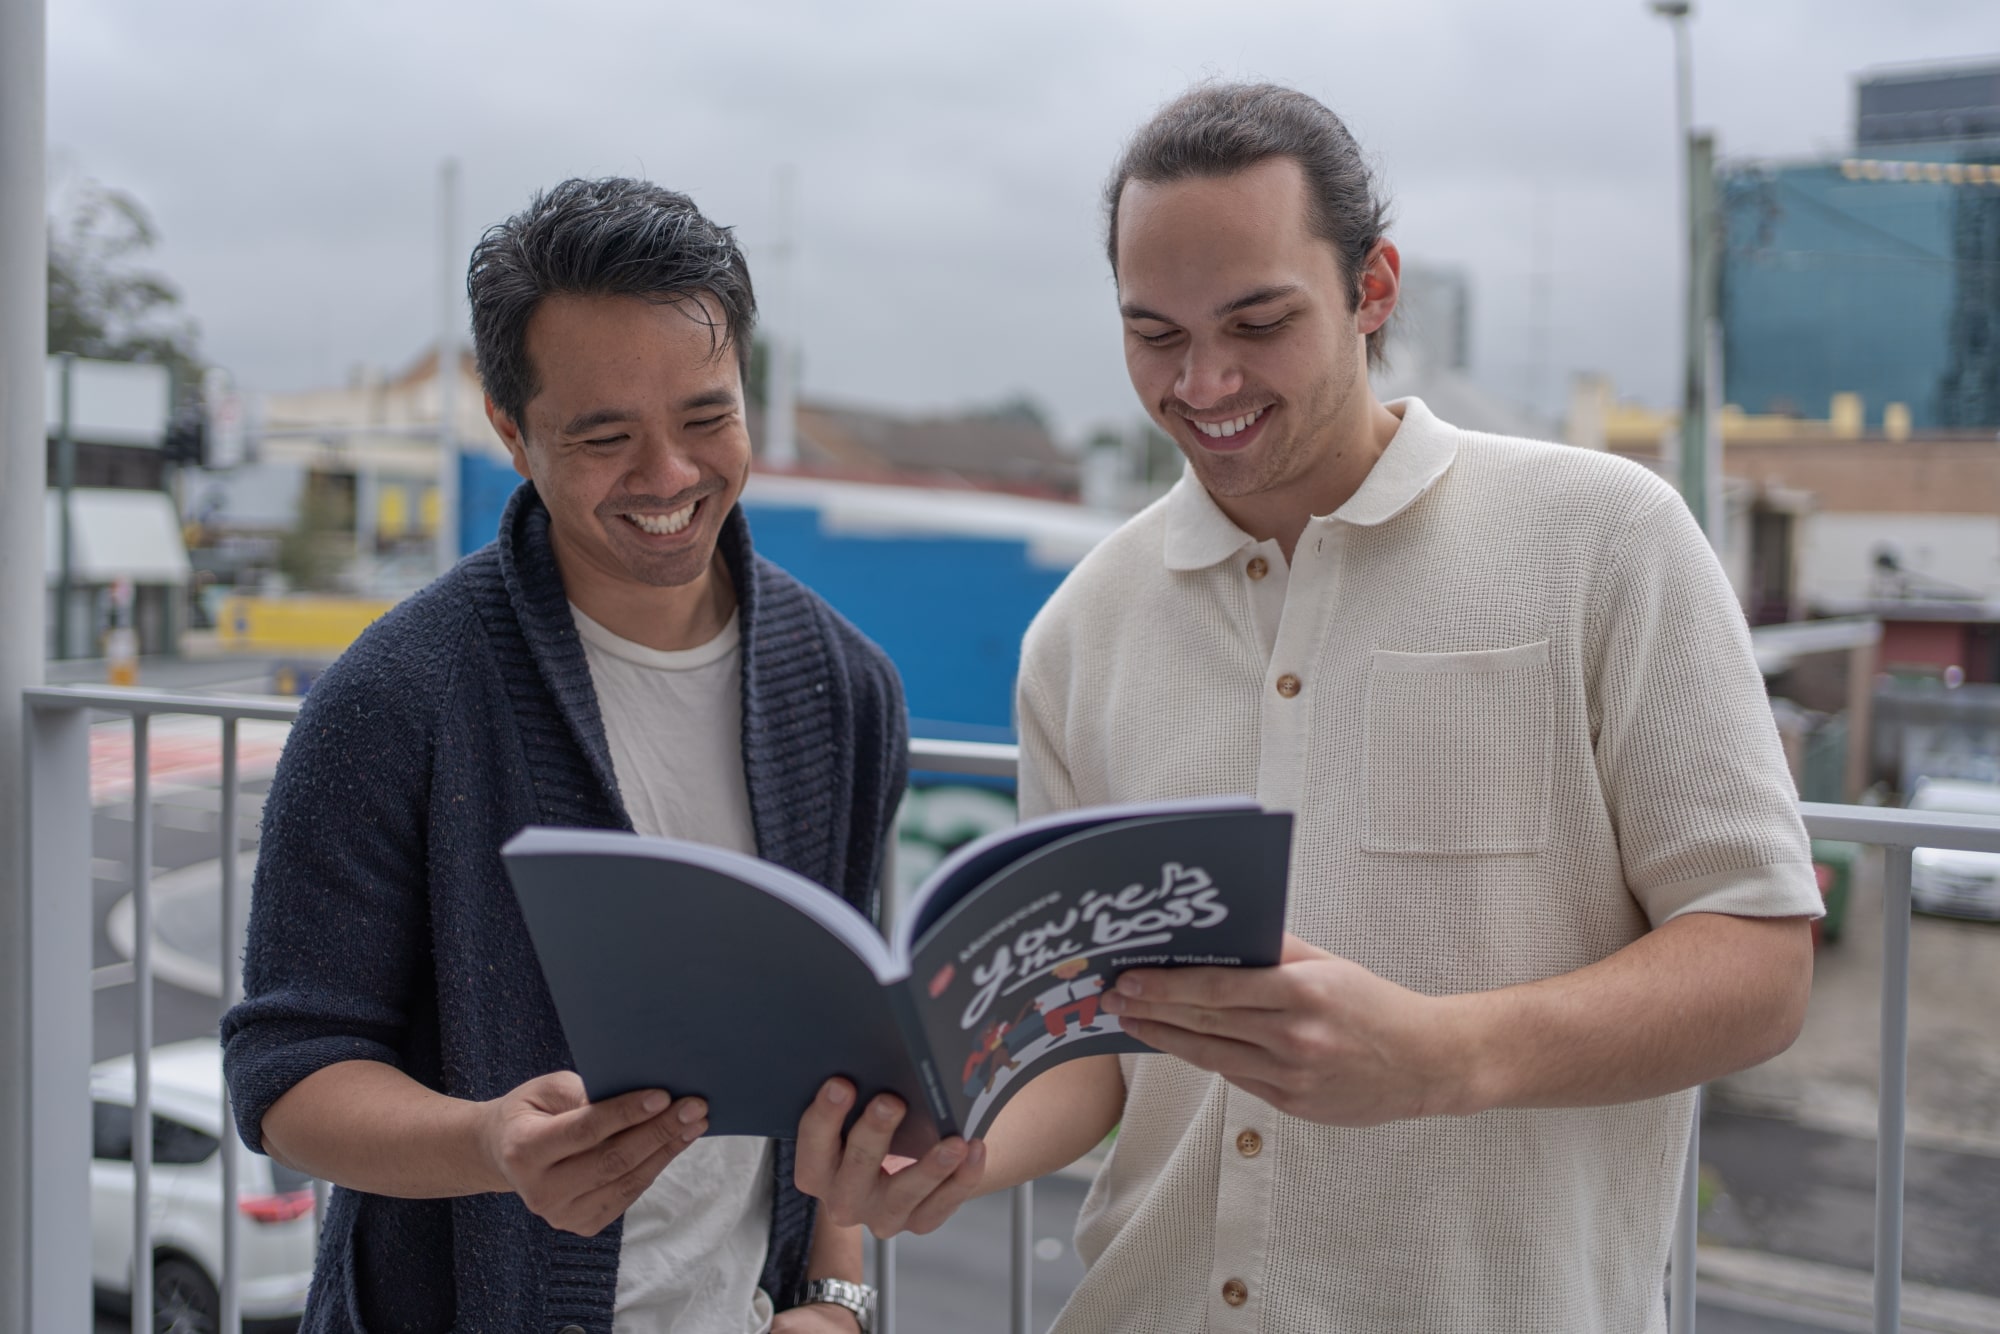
[102,302]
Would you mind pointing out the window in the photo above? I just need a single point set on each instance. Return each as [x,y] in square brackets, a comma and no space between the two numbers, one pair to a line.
[174,1142]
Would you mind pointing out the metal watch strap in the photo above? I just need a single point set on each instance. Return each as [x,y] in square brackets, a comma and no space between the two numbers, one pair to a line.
[856,1297]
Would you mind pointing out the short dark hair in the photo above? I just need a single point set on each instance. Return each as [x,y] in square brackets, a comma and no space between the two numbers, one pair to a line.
[1219,129]
[612,237]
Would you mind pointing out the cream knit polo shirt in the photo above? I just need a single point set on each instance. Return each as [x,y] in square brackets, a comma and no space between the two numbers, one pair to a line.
[1508,692]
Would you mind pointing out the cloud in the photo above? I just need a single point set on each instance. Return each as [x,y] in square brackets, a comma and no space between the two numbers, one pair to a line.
[948,158]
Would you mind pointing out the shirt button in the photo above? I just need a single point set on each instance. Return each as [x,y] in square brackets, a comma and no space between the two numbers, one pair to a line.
[1288,685]
[1249,1144]
[1235,1293]
[1257,568]
[570,1329]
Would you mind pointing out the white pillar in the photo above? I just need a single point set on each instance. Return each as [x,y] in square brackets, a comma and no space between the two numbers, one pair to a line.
[23,591]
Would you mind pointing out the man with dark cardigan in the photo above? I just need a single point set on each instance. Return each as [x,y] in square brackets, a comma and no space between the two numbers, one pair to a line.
[619,657]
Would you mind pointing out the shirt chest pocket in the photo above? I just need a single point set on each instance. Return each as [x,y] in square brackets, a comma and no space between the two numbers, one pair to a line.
[1459,752]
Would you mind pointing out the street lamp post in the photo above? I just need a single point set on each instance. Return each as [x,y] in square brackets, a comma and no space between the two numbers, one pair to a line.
[1700,462]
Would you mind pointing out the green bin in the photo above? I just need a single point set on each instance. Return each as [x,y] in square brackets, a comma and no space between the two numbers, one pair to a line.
[1835,861]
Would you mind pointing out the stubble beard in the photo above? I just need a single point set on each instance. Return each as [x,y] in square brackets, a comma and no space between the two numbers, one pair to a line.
[1279,459]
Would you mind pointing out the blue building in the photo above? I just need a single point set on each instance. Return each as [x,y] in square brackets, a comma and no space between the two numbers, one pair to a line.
[1879,273]
[945,580]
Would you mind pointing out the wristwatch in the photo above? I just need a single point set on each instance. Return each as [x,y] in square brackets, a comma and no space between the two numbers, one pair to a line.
[856,1297]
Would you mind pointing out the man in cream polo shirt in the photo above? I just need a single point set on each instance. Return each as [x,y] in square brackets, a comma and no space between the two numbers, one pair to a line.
[1548,871]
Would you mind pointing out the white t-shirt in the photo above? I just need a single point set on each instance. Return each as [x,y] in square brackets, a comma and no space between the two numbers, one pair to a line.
[695,1242]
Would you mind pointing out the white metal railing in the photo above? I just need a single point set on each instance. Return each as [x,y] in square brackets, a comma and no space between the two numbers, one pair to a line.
[61,982]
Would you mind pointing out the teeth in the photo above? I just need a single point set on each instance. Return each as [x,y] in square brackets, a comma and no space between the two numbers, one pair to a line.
[660,525]
[1223,430]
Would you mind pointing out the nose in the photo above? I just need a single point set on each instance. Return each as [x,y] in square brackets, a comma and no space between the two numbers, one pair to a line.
[660,468]
[1207,376]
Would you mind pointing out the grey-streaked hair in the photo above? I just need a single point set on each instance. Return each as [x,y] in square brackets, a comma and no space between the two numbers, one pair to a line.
[1219,129]
[611,237]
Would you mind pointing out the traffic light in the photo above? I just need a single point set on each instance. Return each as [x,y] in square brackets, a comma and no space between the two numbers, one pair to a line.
[186,439]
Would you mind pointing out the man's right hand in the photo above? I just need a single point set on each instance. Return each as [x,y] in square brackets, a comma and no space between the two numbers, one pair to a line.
[576,1164]
[858,1181]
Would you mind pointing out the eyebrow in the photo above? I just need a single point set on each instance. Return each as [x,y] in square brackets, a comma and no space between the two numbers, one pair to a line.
[1257,298]
[590,421]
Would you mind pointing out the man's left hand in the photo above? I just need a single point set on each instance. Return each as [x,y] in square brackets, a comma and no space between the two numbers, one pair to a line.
[1317,1037]
[818,1318]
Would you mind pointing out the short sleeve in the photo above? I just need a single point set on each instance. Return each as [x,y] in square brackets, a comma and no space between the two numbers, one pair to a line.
[1045,784]
[1687,750]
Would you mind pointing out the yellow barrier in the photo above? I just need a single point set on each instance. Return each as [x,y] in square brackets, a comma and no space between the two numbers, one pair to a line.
[319,626]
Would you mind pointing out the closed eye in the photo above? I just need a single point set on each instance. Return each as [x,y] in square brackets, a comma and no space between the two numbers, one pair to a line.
[1272,327]
[1157,339]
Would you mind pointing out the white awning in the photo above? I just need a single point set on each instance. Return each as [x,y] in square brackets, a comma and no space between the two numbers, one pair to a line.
[117,535]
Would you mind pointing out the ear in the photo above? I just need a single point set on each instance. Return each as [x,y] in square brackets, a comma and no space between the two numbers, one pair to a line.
[1381,286]
[510,436]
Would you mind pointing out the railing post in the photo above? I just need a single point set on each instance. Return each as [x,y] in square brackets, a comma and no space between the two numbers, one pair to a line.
[142,1023]
[1889,1120]
[1687,1233]
[1021,1288]
[57,1253]
[232,989]
[885,1285]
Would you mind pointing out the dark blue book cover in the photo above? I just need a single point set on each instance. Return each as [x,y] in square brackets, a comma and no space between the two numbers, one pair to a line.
[679,966]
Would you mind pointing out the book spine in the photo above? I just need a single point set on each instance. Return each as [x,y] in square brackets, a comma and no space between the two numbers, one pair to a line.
[919,1047]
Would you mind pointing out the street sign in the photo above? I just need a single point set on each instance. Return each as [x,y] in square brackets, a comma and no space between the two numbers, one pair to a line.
[111,402]
[224,405]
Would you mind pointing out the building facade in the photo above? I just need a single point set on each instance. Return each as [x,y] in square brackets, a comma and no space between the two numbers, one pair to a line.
[1878,272]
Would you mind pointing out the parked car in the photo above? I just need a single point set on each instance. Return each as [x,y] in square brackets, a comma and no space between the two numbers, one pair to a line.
[1956,884]
[276,1239]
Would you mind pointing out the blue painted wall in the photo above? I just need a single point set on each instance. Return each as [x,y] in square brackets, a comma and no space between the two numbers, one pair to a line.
[1831,285]
[950,611]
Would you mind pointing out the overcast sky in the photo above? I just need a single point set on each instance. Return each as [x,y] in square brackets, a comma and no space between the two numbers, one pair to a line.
[947,156]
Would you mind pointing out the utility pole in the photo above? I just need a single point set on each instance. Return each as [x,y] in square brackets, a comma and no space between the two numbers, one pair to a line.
[1700,462]
[450,275]
[65,486]
[24,482]
[781,443]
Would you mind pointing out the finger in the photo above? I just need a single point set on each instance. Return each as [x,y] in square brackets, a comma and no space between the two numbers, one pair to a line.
[557,1091]
[1216,988]
[1298,951]
[860,1169]
[1224,1056]
[819,1143]
[584,1127]
[900,1194]
[594,1210]
[943,1202]
[681,1123]
[1244,1025]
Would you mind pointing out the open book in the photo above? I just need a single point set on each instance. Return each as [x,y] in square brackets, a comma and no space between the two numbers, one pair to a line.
[679,966]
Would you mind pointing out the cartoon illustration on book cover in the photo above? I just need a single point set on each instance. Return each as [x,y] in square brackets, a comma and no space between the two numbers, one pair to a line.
[1015,985]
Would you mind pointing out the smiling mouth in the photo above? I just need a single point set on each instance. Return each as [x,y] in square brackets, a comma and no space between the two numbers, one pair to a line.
[663,525]
[1223,430]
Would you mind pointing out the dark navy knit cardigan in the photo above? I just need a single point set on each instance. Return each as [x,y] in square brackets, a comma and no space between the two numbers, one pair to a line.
[382,927]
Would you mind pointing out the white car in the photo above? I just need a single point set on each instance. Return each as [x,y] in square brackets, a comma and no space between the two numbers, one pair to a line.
[1956,884]
[277,1236]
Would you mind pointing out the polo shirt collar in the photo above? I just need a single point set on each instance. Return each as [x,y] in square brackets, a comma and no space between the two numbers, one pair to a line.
[1199,534]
